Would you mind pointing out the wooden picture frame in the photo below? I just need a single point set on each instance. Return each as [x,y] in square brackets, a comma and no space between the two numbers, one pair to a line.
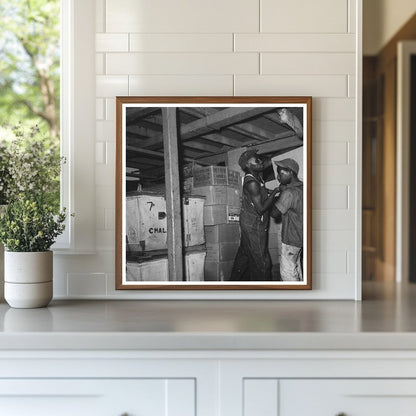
[162,142]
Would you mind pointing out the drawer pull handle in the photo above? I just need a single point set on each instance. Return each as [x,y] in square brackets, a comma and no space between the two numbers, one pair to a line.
[341,414]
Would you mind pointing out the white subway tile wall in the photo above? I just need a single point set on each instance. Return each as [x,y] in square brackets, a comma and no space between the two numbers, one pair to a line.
[351,86]
[236,47]
[86,284]
[110,109]
[99,109]
[313,42]
[112,42]
[181,85]
[332,220]
[179,42]
[330,153]
[100,64]
[182,63]
[317,63]
[330,197]
[111,86]
[334,109]
[100,152]
[314,85]
[300,16]
[182,16]
[333,175]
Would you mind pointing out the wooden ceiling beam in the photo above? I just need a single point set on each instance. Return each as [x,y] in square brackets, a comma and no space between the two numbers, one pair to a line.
[279,145]
[140,150]
[145,161]
[222,139]
[161,155]
[212,160]
[136,113]
[140,131]
[206,147]
[219,120]
[245,129]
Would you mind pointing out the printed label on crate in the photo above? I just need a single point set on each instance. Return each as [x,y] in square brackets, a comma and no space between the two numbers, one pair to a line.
[233,214]
[233,217]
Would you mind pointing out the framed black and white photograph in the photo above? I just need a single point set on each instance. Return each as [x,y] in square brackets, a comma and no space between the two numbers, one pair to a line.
[213,193]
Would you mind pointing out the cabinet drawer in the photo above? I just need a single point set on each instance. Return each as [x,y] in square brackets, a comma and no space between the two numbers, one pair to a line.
[348,397]
[86,397]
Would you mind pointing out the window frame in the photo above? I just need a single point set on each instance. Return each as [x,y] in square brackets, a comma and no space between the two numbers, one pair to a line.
[78,126]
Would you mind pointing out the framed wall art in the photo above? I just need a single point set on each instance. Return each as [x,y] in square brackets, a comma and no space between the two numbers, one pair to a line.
[213,193]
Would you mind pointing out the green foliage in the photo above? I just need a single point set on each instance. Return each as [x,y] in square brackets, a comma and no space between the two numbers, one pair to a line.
[29,156]
[30,165]
[29,225]
[5,177]
[30,63]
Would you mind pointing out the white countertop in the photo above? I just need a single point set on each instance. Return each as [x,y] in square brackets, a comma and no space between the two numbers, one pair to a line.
[384,320]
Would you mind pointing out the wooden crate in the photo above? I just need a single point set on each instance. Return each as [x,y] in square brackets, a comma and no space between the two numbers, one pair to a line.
[222,233]
[214,194]
[218,271]
[146,222]
[194,266]
[221,214]
[234,179]
[222,251]
[193,218]
[147,271]
[157,270]
[233,196]
[210,175]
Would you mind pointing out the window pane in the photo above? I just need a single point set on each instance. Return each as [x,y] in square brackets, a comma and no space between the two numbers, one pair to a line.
[30,70]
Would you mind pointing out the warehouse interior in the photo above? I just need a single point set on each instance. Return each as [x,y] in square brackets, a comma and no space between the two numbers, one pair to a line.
[210,140]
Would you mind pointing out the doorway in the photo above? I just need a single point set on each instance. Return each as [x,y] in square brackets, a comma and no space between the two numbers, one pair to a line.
[406,152]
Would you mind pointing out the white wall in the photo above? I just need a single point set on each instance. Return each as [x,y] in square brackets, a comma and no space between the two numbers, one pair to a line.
[233,47]
[381,20]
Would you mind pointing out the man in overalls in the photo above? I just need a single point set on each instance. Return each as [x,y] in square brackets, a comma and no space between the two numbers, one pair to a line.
[252,261]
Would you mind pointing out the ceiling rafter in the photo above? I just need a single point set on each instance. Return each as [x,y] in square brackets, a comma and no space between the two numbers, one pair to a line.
[213,122]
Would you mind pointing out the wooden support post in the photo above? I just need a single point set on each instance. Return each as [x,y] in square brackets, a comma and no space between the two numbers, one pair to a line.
[173,196]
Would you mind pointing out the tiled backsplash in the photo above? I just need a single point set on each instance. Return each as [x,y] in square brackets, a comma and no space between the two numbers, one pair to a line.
[233,47]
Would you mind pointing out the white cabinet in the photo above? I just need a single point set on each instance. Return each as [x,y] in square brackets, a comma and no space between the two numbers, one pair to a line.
[319,383]
[207,383]
[87,397]
[349,397]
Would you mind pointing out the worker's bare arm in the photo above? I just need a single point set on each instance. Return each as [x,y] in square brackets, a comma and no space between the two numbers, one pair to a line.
[254,190]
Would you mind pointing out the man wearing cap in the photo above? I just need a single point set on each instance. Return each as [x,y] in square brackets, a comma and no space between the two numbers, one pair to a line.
[290,205]
[252,261]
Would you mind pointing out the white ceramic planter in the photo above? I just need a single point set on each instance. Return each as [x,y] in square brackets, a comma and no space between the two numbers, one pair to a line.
[28,279]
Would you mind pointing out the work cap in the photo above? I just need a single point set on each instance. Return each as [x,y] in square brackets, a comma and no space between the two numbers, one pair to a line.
[246,156]
[288,164]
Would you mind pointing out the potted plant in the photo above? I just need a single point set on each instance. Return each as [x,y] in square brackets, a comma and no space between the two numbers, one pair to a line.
[28,228]
[5,157]
[32,220]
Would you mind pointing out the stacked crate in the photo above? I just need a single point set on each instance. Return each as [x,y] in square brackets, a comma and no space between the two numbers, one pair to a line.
[156,269]
[222,241]
[146,234]
[221,188]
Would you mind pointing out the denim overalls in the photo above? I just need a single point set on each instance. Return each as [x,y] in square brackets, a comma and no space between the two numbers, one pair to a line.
[252,261]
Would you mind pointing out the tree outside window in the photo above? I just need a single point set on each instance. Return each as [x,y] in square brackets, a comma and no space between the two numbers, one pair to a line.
[30,68]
